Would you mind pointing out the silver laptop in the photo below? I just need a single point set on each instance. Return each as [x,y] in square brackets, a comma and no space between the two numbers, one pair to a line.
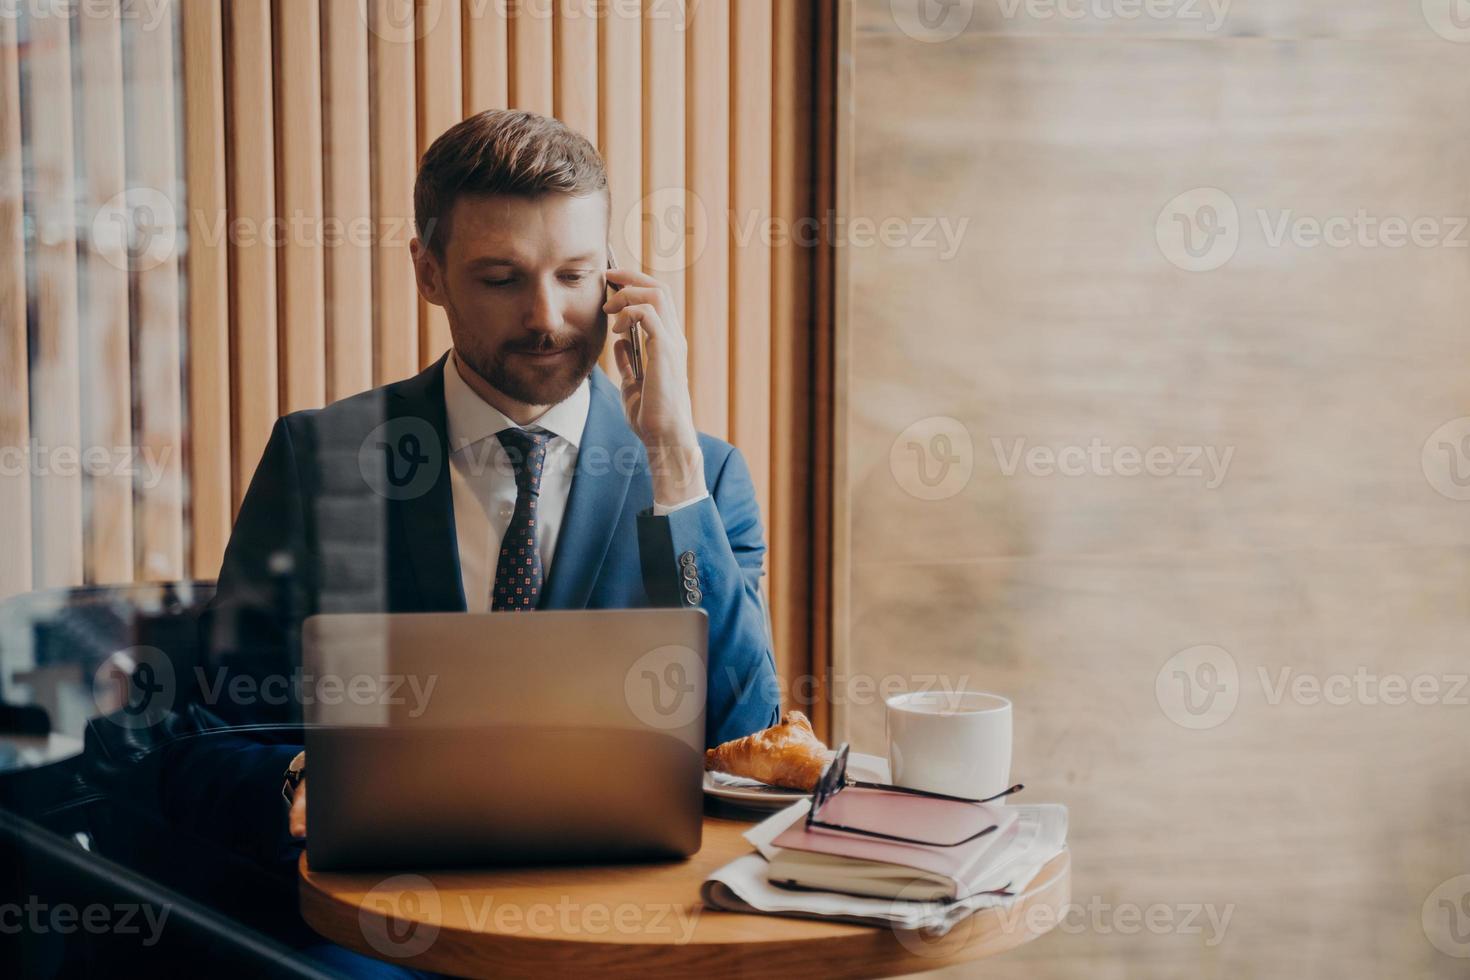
[456,739]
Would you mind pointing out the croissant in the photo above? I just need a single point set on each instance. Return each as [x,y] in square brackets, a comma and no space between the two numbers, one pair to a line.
[788,754]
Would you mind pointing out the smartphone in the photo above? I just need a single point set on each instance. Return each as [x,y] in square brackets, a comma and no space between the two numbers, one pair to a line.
[634,335]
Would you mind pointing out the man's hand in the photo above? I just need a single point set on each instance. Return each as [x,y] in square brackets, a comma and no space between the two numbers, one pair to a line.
[659,409]
[298,810]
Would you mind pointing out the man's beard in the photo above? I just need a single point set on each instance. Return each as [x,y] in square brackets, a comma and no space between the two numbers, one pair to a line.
[525,379]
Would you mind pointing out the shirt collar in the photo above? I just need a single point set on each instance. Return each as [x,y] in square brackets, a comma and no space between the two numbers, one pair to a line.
[469,418]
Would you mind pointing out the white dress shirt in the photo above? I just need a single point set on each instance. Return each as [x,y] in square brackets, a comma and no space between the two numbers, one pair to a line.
[483,484]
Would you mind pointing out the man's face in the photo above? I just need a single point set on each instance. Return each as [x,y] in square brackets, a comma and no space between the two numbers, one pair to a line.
[522,283]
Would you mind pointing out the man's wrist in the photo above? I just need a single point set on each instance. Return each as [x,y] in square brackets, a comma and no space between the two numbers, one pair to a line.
[292,778]
[677,471]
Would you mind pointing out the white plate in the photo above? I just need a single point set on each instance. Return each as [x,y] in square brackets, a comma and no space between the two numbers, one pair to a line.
[750,793]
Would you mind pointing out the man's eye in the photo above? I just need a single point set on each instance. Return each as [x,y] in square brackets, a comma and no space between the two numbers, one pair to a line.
[497,282]
[575,277]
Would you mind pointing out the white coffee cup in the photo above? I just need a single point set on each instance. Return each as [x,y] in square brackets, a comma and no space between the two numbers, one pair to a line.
[955,742]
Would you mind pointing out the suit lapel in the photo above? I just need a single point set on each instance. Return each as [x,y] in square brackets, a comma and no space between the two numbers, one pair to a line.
[427,520]
[605,463]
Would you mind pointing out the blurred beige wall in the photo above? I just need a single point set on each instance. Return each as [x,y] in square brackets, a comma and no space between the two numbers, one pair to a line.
[1215,662]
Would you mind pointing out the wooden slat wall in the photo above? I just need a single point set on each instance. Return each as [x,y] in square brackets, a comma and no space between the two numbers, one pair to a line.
[211,503]
[750,257]
[55,385]
[301,270]
[250,147]
[15,415]
[152,140]
[532,59]
[708,297]
[106,389]
[348,203]
[486,36]
[394,138]
[439,93]
[665,206]
[620,137]
[302,125]
[795,480]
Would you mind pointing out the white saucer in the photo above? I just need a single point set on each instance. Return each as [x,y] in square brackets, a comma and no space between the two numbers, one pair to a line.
[750,793]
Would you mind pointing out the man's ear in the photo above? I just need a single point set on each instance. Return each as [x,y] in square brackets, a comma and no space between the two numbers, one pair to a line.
[428,272]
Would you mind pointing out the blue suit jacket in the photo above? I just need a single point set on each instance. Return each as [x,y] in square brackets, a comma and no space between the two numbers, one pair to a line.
[344,515]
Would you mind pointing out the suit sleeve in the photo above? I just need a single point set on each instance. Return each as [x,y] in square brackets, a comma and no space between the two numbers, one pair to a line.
[221,776]
[709,555]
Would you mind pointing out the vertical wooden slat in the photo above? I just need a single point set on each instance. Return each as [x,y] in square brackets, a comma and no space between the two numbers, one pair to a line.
[620,136]
[750,250]
[395,297]
[708,132]
[15,488]
[56,409]
[300,268]
[347,190]
[439,88]
[665,201]
[152,124]
[486,56]
[106,390]
[791,464]
[531,57]
[209,284]
[251,151]
[819,534]
[575,45]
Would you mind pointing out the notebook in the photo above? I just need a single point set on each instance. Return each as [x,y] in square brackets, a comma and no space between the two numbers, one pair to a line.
[833,860]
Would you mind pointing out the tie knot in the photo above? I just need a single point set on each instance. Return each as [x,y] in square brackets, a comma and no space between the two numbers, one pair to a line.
[527,452]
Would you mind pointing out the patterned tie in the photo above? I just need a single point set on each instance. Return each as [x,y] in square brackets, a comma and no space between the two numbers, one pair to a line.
[518,572]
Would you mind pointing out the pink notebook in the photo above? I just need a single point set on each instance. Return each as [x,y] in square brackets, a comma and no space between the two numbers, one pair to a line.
[947,870]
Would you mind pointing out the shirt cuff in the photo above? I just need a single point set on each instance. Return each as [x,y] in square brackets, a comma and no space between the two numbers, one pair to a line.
[663,510]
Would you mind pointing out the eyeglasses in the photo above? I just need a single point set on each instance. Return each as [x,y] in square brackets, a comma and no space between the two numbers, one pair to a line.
[834,779]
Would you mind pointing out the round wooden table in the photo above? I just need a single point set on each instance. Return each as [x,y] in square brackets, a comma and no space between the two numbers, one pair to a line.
[637,920]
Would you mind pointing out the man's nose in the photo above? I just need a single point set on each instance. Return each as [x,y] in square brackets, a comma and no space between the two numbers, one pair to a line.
[544,312]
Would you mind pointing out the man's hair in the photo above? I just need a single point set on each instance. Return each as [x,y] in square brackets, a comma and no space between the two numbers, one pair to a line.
[501,151]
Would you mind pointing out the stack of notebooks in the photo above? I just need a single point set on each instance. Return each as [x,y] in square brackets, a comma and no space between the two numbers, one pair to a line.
[818,872]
